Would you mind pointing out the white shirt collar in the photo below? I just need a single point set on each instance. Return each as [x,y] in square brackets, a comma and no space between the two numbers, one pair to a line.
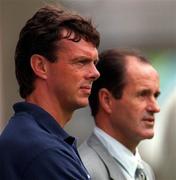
[124,156]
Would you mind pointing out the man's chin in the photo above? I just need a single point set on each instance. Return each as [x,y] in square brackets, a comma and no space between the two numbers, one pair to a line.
[83,103]
[149,135]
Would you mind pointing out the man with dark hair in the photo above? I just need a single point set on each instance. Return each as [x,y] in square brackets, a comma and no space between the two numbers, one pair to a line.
[123,103]
[55,66]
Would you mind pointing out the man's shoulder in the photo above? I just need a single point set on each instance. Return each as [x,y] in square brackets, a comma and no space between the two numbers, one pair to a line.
[31,148]
[87,151]
[92,161]
[25,138]
[22,130]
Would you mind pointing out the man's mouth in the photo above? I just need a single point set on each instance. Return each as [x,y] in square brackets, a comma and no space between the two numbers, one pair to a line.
[86,89]
[149,121]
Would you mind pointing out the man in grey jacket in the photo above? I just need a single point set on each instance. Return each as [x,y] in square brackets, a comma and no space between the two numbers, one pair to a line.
[123,102]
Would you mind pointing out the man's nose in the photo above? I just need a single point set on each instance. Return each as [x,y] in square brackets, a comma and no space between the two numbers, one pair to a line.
[154,106]
[94,74]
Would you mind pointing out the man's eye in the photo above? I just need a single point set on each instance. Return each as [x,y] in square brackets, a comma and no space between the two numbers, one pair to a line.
[157,95]
[83,62]
[95,62]
[143,93]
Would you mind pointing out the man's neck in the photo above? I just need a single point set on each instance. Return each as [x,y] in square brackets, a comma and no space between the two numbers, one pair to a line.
[52,107]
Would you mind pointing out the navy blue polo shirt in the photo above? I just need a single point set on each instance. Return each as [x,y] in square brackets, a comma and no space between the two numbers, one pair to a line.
[34,147]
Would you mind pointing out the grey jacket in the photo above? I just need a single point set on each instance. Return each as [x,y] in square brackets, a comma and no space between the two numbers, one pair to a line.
[100,164]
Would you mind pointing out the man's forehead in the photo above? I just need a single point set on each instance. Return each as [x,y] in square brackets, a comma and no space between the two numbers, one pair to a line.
[82,48]
[132,60]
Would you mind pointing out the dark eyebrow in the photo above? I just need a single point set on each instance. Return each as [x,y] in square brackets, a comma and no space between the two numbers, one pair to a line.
[148,91]
[85,58]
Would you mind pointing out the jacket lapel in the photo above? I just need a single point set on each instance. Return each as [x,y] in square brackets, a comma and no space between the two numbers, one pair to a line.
[110,163]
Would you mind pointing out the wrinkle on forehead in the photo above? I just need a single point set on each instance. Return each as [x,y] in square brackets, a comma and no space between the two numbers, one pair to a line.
[141,72]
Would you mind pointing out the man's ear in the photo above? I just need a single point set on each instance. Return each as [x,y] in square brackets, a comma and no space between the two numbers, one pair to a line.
[39,65]
[105,100]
